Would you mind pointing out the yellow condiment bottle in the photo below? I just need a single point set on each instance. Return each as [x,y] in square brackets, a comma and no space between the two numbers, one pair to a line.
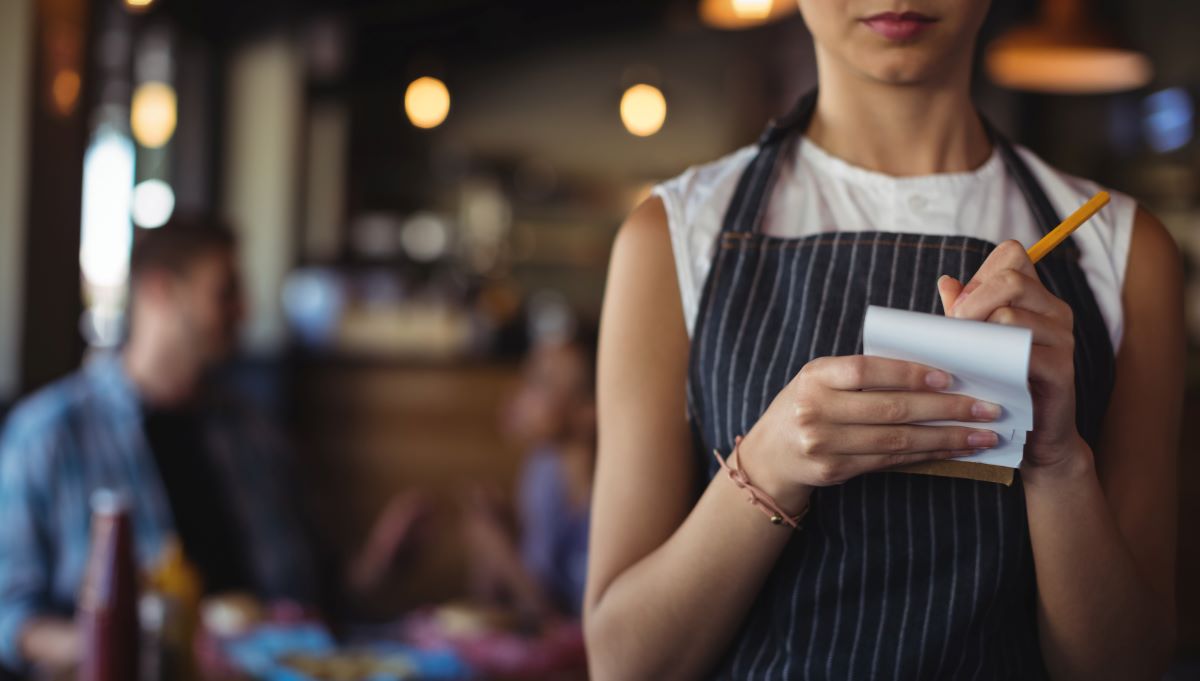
[172,602]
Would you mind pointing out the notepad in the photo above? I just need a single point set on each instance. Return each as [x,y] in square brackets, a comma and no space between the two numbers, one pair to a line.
[988,362]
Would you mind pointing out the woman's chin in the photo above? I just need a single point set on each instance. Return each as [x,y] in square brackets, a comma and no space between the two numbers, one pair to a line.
[905,70]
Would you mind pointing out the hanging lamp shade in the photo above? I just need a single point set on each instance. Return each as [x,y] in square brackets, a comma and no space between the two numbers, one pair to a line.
[734,15]
[1065,52]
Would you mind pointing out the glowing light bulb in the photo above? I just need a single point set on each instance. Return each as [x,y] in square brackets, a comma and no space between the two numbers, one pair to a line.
[734,15]
[153,203]
[752,9]
[138,5]
[65,91]
[153,114]
[427,102]
[643,110]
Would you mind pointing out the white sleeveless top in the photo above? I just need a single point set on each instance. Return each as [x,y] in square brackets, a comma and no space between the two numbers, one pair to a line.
[818,192]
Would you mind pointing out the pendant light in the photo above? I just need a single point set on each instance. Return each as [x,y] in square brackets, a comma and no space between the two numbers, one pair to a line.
[1065,52]
[643,110]
[153,114]
[732,15]
[427,102]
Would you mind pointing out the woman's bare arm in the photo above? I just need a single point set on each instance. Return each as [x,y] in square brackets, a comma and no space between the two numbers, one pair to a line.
[1104,534]
[664,594]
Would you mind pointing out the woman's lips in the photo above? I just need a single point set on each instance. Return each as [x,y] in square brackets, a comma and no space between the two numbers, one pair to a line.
[899,25]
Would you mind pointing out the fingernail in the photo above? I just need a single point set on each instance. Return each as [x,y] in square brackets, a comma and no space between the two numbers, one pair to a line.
[937,379]
[985,410]
[982,439]
[959,301]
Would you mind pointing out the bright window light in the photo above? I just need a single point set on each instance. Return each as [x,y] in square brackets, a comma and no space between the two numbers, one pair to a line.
[107,189]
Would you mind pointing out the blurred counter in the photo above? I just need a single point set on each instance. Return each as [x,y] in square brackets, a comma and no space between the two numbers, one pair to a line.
[364,430]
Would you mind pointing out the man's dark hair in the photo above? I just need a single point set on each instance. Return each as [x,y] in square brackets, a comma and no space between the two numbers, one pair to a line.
[176,245]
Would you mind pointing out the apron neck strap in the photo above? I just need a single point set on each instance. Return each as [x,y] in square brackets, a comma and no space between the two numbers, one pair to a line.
[745,212]
[797,119]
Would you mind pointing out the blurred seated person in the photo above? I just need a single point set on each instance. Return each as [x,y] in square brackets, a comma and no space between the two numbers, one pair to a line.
[151,421]
[541,573]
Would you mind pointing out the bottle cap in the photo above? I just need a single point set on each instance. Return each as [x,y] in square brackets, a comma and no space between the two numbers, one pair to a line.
[106,501]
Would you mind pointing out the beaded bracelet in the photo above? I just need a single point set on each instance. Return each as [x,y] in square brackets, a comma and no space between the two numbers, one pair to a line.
[757,497]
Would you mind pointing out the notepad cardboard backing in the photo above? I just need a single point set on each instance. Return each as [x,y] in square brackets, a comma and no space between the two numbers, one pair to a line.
[969,470]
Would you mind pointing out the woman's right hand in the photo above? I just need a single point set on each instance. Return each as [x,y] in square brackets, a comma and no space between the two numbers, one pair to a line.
[844,416]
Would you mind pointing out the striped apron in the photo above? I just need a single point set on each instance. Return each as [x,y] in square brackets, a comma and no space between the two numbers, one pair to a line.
[894,576]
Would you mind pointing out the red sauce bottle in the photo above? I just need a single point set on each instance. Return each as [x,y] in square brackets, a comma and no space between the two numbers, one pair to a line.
[108,618]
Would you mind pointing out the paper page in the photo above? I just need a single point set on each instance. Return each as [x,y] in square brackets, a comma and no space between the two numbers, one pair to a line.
[988,362]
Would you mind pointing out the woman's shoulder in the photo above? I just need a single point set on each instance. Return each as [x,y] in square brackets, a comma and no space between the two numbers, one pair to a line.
[700,186]
[693,206]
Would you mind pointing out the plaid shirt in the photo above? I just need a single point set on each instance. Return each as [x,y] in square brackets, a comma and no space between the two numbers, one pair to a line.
[84,433]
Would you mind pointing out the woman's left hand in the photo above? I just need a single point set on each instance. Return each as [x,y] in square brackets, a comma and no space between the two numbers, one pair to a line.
[1006,290]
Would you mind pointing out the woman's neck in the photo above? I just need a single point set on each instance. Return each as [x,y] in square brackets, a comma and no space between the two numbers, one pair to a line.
[899,130]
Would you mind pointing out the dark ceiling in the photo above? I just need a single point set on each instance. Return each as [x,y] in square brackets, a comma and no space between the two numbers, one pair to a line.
[473,26]
[476,26]
[386,37]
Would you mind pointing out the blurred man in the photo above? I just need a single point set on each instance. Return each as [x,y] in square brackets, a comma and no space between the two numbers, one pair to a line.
[194,464]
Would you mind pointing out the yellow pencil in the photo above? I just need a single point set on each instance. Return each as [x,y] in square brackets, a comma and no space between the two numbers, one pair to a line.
[1060,233]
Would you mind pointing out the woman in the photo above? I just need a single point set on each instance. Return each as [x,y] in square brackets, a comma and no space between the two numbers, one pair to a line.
[553,415]
[759,268]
